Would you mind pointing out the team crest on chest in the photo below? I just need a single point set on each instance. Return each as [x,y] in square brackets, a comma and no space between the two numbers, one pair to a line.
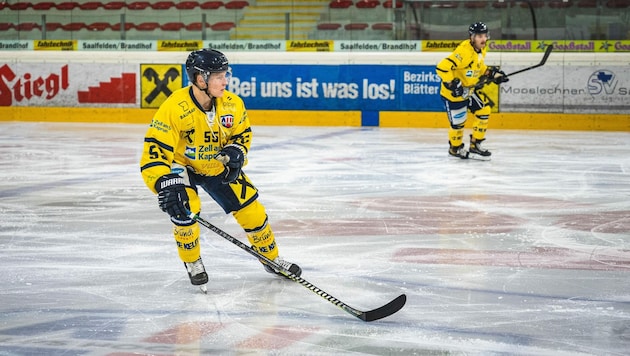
[227,121]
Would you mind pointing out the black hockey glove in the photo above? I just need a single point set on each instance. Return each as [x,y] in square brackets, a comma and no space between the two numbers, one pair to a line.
[497,76]
[232,156]
[456,88]
[173,199]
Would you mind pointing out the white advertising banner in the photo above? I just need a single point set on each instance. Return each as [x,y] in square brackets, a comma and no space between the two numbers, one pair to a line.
[69,84]
[568,89]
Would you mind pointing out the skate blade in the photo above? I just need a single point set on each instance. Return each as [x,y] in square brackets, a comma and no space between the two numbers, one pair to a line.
[204,289]
[478,157]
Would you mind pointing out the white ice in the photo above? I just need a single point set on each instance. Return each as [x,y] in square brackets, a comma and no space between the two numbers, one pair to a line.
[526,254]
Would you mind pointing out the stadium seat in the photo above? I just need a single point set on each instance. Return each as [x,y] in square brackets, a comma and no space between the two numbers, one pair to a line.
[196,26]
[90,5]
[440,5]
[367,4]
[475,4]
[114,5]
[162,5]
[98,26]
[74,26]
[222,26]
[617,4]
[53,26]
[559,4]
[340,4]
[356,26]
[138,5]
[236,4]
[44,5]
[383,26]
[147,26]
[5,26]
[128,26]
[535,4]
[390,4]
[27,26]
[328,26]
[211,5]
[186,5]
[172,26]
[20,5]
[67,5]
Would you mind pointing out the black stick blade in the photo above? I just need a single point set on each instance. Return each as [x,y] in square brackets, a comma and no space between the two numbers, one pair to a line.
[386,310]
[546,55]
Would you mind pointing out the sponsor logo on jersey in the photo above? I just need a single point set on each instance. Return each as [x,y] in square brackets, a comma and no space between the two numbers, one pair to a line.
[190,152]
[227,121]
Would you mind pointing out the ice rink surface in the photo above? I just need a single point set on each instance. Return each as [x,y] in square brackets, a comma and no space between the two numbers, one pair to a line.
[526,254]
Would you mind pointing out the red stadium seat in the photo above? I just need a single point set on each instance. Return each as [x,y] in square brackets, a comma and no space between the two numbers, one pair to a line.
[53,26]
[138,5]
[617,4]
[390,4]
[90,5]
[20,5]
[340,4]
[223,26]
[383,26]
[367,4]
[559,4]
[502,4]
[196,26]
[236,4]
[5,26]
[356,26]
[67,5]
[44,5]
[27,26]
[172,26]
[162,5]
[328,26]
[211,5]
[147,26]
[535,4]
[475,4]
[74,26]
[128,26]
[114,5]
[186,5]
[98,26]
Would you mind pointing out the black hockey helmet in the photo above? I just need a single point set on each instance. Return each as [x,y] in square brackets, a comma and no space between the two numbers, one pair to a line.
[204,62]
[477,28]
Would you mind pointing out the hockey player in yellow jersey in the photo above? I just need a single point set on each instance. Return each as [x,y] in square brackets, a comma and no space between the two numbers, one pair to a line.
[463,73]
[200,137]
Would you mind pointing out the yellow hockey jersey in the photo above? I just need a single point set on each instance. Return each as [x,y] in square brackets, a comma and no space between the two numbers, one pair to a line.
[182,132]
[464,63]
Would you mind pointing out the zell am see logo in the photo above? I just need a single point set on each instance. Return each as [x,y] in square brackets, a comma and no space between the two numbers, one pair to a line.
[602,82]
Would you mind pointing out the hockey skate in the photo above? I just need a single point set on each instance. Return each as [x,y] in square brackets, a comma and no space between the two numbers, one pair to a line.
[457,151]
[291,267]
[477,151]
[197,274]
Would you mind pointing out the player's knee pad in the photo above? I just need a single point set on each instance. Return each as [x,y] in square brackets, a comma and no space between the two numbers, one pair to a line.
[251,217]
[187,240]
[457,114]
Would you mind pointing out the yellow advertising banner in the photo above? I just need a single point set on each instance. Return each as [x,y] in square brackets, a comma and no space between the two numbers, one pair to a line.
[55,45]
[535,46]
[179,45]
[157,82]
[310,46]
